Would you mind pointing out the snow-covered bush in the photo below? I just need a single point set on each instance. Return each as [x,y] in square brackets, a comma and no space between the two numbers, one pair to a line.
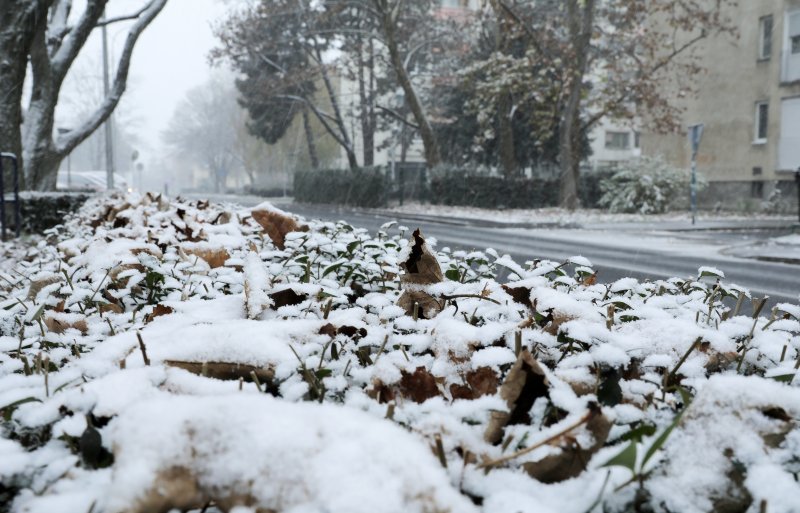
[646,186]
[153,354]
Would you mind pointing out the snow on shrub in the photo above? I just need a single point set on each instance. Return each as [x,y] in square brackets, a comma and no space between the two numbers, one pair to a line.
[152,352]
[646,186]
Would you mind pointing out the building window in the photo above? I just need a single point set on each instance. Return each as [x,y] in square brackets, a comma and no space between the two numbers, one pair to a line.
[795,45]
[618,140]
[758,171]
[636,140]
[765,37]
[762,122]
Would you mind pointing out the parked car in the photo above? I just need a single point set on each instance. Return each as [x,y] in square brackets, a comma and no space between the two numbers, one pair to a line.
[94,181]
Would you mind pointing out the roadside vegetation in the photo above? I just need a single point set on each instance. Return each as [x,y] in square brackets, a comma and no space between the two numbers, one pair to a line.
[160,354]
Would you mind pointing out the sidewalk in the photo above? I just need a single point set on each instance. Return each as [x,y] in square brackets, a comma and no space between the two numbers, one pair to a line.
[777,249]
[597,219]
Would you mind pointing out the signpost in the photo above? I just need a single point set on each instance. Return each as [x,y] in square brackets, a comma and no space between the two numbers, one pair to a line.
[695,136]
[797,181]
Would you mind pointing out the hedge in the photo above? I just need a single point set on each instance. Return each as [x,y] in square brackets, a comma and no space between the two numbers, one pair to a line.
[484,191]
[41,211]
[366,187]
[371,187]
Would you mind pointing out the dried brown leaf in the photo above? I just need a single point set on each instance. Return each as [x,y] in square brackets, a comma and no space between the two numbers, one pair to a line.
[214,257]
[36,286]
[571,460]
[483,381]
[276,225]
[524,383]
[286,297]
[158,311]
[224,370]
[418,386]
[421,266]
[521,295]
[428,306]
[111,307]
[59,323]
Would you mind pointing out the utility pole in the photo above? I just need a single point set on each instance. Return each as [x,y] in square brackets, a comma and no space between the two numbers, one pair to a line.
[69,161]
[695,136]
[108,124]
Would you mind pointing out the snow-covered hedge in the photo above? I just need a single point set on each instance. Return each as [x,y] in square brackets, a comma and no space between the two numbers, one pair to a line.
[363,187]
[158,355]
[647,186]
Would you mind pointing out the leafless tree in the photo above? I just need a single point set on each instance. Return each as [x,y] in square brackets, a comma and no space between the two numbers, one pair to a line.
[42,33]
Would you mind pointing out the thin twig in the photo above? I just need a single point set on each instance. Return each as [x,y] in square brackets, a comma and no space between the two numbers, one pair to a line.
[493,463]
[143,348]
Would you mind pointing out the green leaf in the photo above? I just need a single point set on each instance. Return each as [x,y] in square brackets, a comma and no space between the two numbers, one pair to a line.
[621,305]
[332,268]
[626,458]
[352,246]
[8,410]
[323,373]
[784,378]
[642,430]
[662,438]
[38,314]
[453,274]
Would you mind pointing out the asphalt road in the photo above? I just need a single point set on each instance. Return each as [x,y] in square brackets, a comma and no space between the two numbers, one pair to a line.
[613,260]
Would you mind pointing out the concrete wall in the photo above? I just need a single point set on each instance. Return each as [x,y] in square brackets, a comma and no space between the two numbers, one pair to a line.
[750,196]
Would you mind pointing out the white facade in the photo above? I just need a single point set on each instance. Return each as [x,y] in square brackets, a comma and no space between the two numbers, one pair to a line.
[612,144]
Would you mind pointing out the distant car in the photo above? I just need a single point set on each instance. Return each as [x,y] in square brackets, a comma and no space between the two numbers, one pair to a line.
[94,181]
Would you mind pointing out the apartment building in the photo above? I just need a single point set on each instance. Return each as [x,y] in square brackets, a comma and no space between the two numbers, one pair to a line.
[749,101]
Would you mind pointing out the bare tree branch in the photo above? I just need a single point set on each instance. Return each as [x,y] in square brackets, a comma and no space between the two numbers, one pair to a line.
[71,139]
[396,115]
[127,17]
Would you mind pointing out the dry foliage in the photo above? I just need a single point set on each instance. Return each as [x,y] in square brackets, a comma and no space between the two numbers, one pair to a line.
[421,269]
[276,225]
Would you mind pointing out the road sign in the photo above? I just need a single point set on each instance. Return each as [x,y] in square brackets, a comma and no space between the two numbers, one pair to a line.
[695,136]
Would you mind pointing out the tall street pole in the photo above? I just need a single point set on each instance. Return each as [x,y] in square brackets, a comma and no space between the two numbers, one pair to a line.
[108,124]
[695,136]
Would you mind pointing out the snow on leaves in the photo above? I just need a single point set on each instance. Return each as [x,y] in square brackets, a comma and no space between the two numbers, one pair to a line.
[187,368]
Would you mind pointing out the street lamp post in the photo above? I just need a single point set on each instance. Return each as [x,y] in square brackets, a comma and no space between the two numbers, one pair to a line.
[69,160]
[695,136]
[108,124]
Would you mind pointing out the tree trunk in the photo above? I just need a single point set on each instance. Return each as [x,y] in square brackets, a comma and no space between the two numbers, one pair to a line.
[41,158]
[505,131]
[13,76]
[21,19]
[580,21]
[51,57]
[367,133]
[312,147]
[569,160]
[433,156]
[505,134]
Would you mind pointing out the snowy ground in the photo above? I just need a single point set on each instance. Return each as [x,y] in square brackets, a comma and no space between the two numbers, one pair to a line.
[158,355]
[581,217]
